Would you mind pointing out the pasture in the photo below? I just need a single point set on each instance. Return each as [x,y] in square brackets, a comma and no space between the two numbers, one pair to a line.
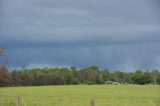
[80,95]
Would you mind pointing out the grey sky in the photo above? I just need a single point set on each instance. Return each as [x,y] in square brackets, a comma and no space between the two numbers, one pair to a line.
[117,34]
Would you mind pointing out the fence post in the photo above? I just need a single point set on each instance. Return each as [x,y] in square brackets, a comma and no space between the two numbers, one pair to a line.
[92,103]
[18,101]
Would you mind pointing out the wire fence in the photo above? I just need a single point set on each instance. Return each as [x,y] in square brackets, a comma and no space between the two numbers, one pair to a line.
[14,100]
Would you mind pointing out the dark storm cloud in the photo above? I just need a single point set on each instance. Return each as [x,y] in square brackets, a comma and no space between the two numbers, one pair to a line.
[116,34]
[125,57]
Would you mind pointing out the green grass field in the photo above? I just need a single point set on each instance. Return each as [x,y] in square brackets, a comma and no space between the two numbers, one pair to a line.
[80,95]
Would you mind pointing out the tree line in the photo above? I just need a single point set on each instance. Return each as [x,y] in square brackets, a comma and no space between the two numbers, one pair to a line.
[66,76]
[72,75]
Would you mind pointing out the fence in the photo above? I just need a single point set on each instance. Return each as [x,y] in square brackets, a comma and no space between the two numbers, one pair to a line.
[19,101]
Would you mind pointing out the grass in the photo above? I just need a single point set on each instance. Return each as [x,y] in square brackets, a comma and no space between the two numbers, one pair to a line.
[80,95]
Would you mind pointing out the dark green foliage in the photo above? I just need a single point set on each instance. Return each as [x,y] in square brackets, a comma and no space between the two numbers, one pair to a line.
[66,76]
[140,77]
[158,80]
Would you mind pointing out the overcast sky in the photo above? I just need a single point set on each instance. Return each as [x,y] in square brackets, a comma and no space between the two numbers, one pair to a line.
[114,34]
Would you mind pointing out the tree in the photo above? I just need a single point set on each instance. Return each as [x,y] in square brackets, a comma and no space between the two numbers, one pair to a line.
[158,80]
[119,76]
[155,74]
[3,76]
[104,75]
[95,68]
[141,78]
[3,69]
